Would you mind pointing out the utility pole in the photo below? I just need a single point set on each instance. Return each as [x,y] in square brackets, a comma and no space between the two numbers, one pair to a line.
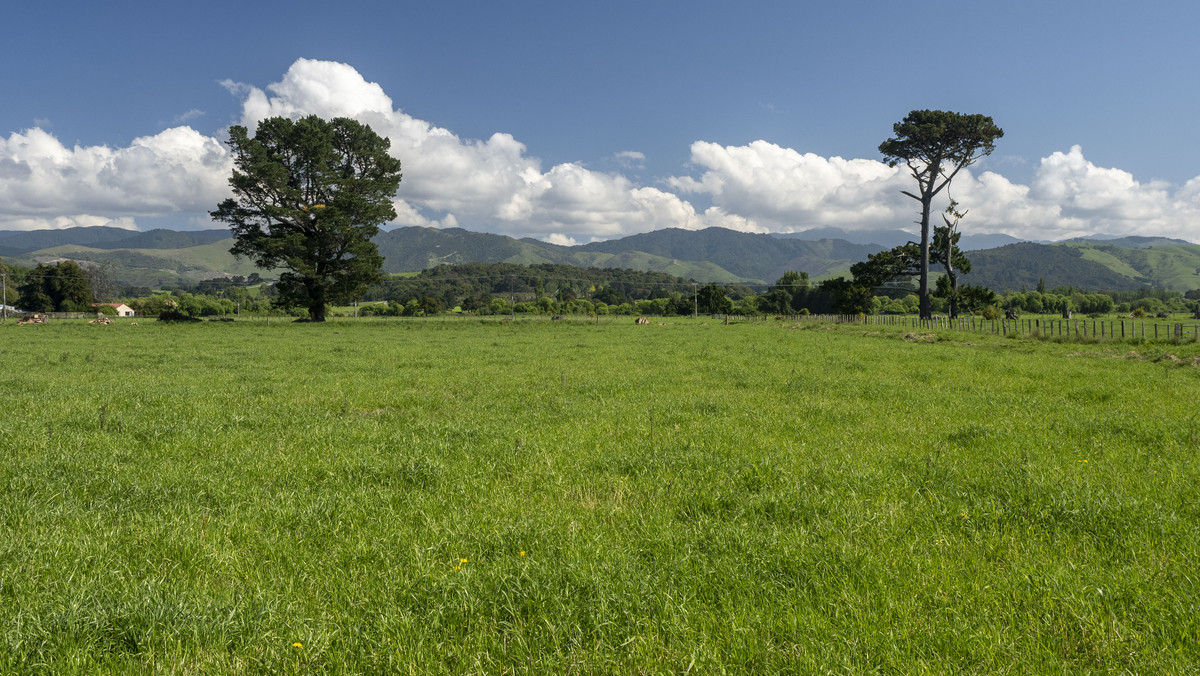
[695,301]
[3,297]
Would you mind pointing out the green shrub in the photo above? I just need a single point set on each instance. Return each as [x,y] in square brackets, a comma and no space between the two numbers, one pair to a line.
[176,316]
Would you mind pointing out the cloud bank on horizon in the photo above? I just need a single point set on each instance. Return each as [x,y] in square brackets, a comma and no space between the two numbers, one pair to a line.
[496,185]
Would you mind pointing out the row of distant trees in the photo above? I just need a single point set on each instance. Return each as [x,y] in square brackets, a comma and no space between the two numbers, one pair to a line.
[67,287]
[794,293]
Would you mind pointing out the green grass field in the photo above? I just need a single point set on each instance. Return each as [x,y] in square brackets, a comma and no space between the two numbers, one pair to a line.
[564,497]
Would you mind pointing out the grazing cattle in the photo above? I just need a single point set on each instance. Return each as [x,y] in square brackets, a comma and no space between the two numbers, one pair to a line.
[1011,314]
[1163,315]
[643,320]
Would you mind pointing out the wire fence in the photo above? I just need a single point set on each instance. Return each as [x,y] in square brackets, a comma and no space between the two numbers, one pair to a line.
[1098,329]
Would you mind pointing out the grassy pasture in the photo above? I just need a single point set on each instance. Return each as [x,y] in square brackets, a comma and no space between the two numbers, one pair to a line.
[536,497]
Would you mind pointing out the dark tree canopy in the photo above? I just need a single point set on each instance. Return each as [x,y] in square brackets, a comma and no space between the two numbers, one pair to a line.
[884,267]
[935,145]
[847,296]
[711,299]
[308,197]
[63,287]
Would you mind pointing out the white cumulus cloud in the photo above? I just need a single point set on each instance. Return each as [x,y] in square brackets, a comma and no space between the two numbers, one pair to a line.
[560,239]
[491,184]
[782,190]
[44,184]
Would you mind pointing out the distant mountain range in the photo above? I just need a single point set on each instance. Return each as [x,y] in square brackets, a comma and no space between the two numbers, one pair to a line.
[168,257]
[18,242]
[886,239]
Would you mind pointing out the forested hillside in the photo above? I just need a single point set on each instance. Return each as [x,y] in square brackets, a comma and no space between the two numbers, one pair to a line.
[750,256]
[19,243]
[1023,265]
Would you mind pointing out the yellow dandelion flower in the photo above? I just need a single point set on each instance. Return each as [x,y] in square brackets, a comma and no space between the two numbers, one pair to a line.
[297,644]
[462,560]
[522,552]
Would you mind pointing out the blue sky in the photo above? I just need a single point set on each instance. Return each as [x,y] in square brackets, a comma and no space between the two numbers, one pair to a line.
[575,121]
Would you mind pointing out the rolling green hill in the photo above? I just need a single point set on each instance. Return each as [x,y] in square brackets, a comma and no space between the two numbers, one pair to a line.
[1173,266]
[1087,264]
[165,257]
[158,267]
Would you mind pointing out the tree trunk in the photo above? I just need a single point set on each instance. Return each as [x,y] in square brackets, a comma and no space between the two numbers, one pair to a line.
[952,306]
[923,293]
[316,306]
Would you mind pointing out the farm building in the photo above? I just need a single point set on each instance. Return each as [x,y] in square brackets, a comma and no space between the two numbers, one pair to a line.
[122,309]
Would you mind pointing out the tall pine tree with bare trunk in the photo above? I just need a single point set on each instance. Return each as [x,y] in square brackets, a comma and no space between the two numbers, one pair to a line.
[935,145]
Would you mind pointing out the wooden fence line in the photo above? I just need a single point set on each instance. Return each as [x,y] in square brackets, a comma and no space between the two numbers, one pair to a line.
[1112,329]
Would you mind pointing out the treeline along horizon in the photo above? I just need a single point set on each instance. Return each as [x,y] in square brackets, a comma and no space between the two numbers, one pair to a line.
[466,282]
